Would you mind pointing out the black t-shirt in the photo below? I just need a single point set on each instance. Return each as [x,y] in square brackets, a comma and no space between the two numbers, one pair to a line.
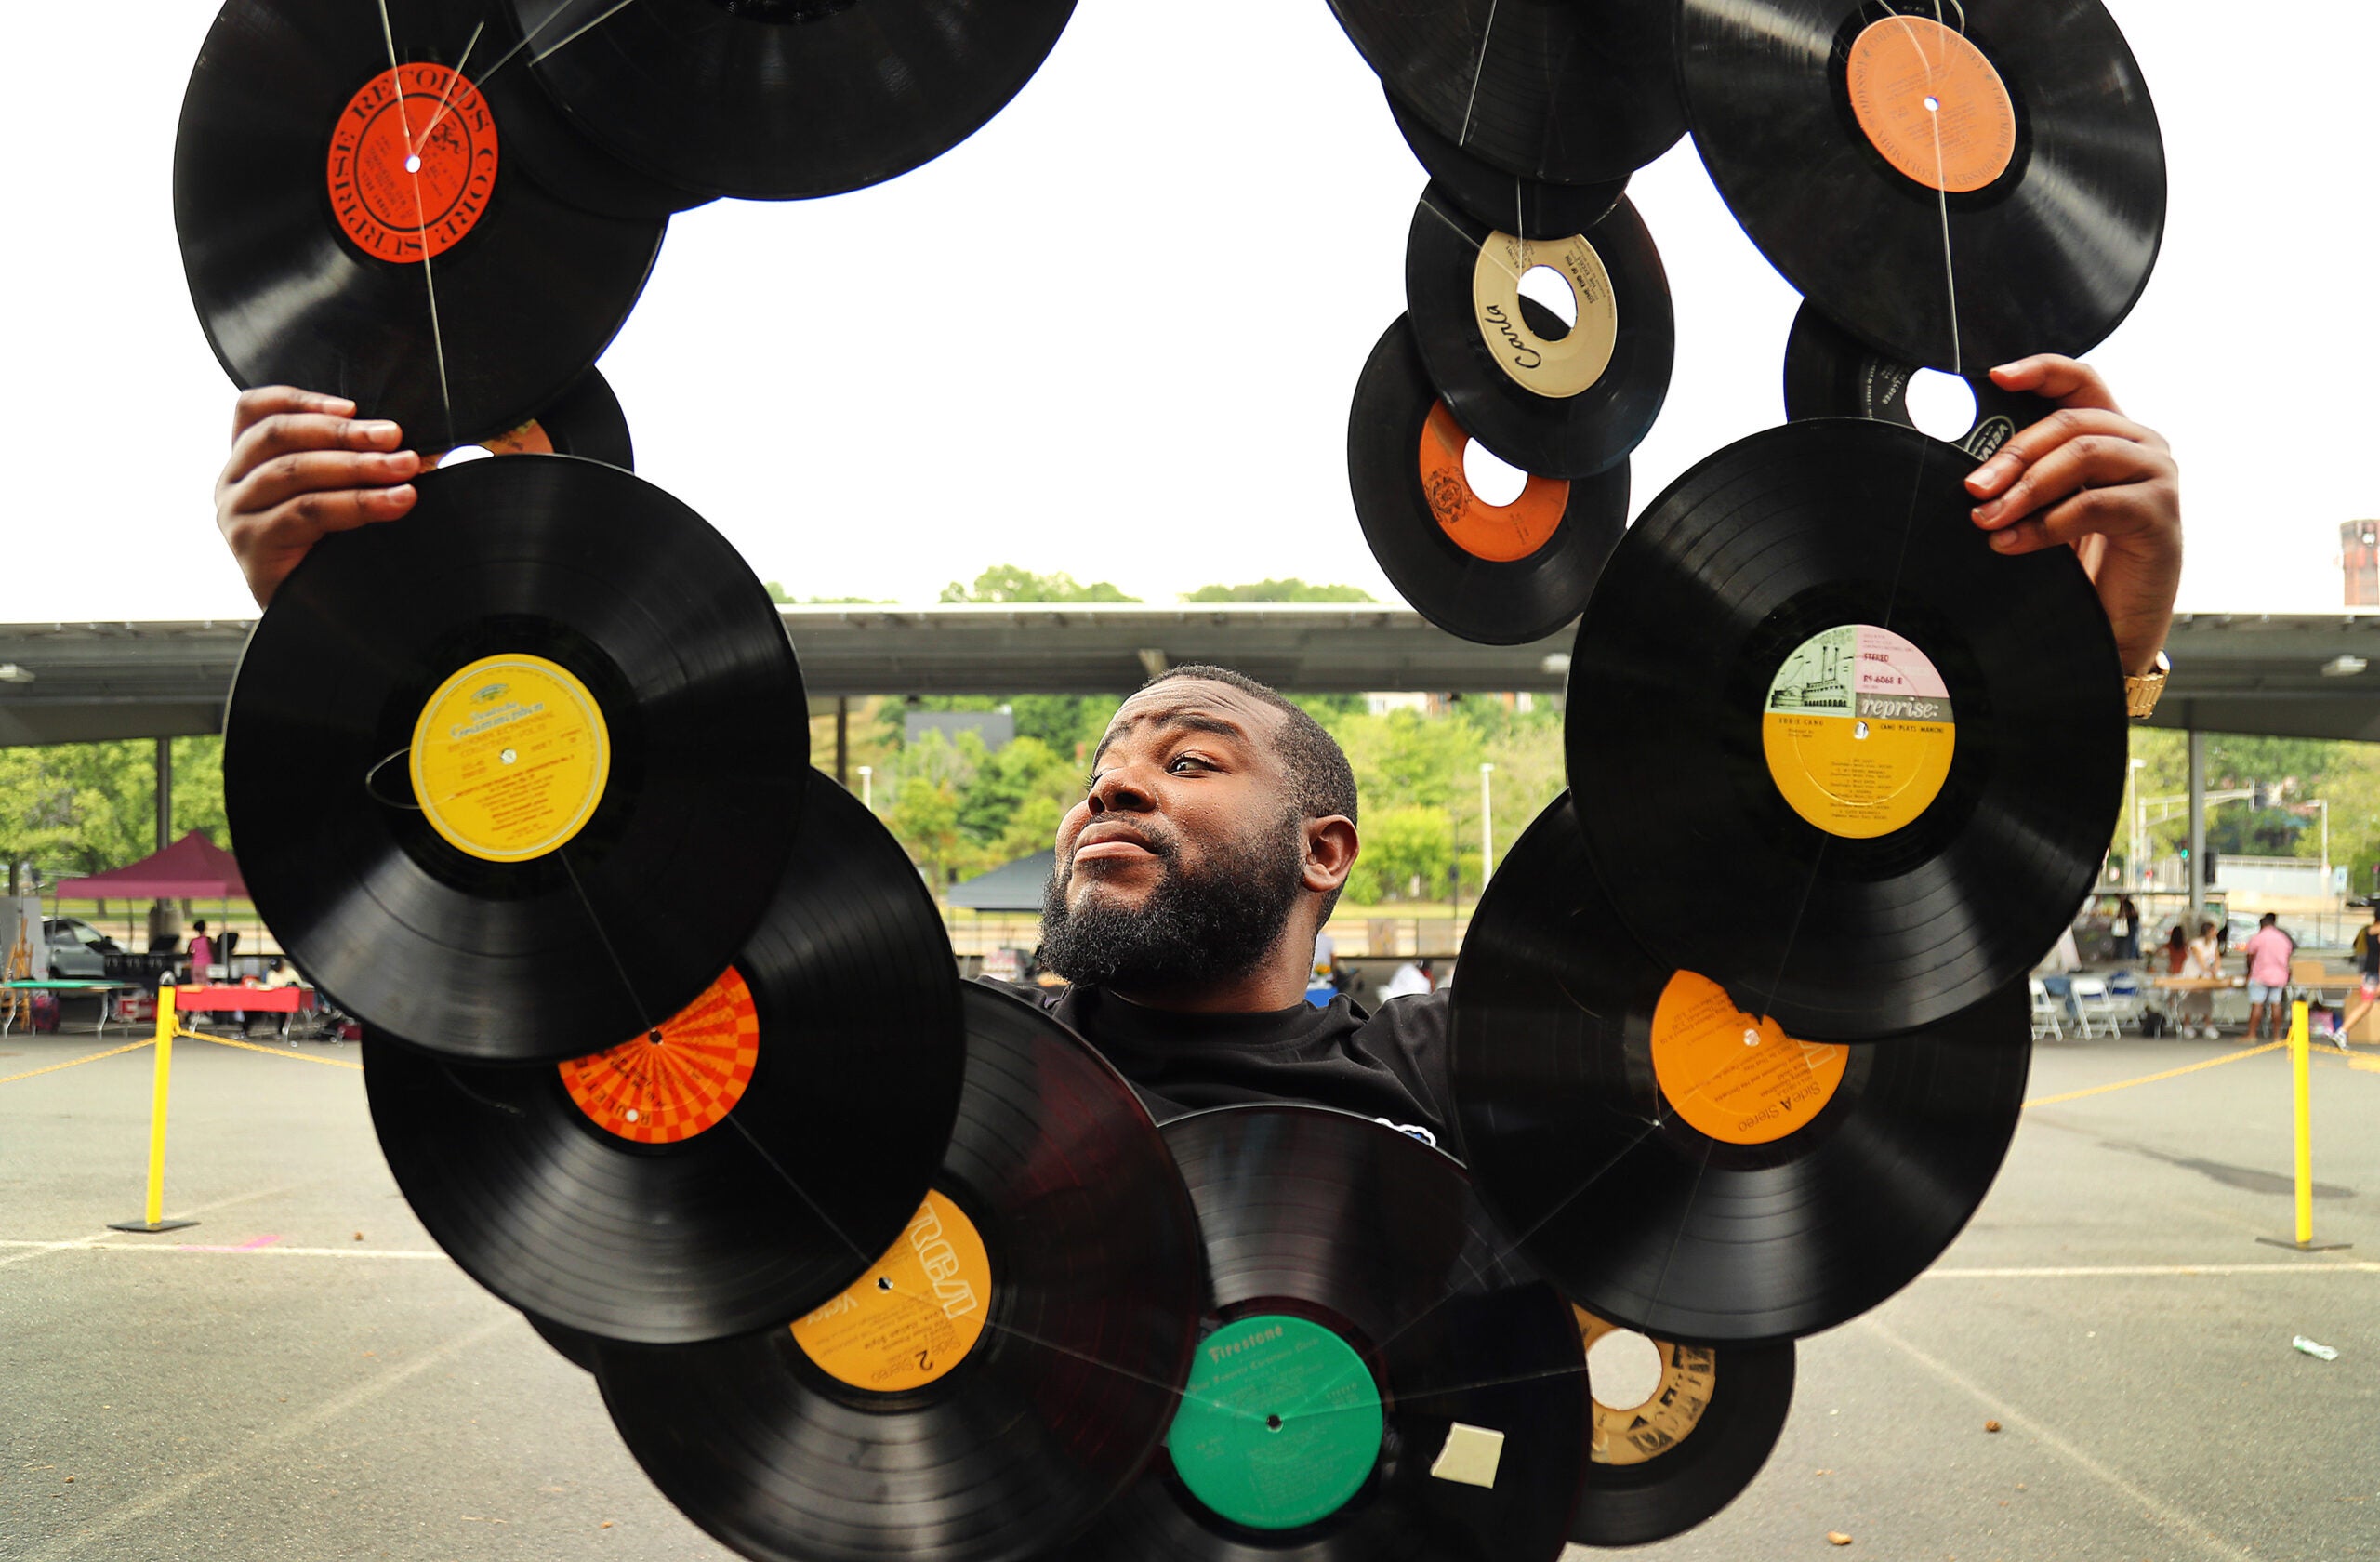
[1391,1065]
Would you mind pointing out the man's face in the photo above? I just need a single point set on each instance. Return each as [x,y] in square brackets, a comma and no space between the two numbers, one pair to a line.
[1180,863]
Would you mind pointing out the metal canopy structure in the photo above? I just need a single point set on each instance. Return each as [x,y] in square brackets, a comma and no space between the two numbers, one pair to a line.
[2309,675]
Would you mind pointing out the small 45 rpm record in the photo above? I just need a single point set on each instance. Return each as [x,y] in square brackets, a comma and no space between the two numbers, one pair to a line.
[585,420]
[989,1383]
[1571,403]
[1681,1164]
[1959,185]
[623,1194]
[1830,373]
[775,99]
[1500,575]
[1661,1465]
[1571,94]
[1379,1379]
[353,219]
[1806,675]
[476,758]
[1514,203]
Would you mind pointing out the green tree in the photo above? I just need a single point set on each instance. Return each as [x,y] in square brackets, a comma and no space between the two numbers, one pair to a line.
[1009,583]
[1289,590]
[79,808]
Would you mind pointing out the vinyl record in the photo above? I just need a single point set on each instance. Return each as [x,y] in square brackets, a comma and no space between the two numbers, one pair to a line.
[586,420]
[1566,406]
[1683,1165]
[1830,373]
[1574,94]
[1805,682]
[702,1183]
[455,297]
[1515,202]
[1380,1381]
[1662,1466]
[573,1345]
[993,1379]
[2038,164]
[774,100]
[1500,575]
[520,771]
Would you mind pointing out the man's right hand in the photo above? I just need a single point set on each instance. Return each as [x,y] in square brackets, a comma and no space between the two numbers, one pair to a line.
[302,466]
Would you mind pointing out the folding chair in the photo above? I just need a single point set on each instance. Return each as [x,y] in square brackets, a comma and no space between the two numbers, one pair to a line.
[2094,1008]
[2131,1003]
[2049,1016]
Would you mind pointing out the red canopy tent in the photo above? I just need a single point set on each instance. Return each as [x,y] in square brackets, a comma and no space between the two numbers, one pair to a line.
[192,868]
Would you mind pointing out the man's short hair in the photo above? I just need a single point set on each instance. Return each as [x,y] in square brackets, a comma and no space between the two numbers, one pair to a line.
[2267,918]
[1325,782]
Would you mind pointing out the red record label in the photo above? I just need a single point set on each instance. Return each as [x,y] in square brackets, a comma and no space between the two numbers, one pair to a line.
[413,163]
[683,1078]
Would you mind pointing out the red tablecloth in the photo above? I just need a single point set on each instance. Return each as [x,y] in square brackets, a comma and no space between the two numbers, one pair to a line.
[247,1000]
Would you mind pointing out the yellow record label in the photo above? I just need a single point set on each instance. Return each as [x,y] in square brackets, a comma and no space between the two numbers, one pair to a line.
[1632,1434]
[1553,369]
[1858,731]
[509,758]
[916,1312]
[1739,1080]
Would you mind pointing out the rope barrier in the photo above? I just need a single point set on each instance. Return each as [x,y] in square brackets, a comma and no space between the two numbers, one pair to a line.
[2152,1079]
[269,1052]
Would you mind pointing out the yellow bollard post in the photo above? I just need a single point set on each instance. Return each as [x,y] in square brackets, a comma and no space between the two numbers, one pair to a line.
[2301,1071]
[166,1024]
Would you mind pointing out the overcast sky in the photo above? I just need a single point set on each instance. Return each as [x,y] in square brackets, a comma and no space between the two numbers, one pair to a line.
[1116,331]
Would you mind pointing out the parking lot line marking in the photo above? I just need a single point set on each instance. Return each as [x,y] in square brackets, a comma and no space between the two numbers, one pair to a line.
[271,1444]
[2152,1079]
[263,1248]
[36,1249]
[2121,1271]
[2157,1508]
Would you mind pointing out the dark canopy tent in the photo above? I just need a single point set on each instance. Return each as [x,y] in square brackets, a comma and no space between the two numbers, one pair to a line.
[192,868]
[1014,886]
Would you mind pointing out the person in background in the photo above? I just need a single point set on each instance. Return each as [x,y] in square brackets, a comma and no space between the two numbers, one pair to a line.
[280,973]
[2128,930]
[2268,951]
[1411,980]
[2205,962]
[2367,944]
[2177,950]
[202,952]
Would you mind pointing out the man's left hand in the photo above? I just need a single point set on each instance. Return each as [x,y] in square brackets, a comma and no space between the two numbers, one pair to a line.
[2089,478]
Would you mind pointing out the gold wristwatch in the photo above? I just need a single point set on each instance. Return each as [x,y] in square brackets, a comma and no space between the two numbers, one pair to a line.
[2141,689]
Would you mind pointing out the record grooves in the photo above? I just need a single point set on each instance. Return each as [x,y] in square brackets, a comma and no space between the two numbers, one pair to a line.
[1813,680]
[626,1194]
[1676,1180]
[464,753]
[1830,373]
[1514,203]
[1053,1324]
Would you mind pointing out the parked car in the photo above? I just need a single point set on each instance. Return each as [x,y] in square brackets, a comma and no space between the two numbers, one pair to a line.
[77,950]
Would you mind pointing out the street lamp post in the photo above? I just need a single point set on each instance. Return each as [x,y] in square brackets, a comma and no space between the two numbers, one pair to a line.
[1487,826]
[867,787]
[2133,810]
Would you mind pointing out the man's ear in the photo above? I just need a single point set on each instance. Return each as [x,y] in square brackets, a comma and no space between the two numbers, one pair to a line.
[1331,847]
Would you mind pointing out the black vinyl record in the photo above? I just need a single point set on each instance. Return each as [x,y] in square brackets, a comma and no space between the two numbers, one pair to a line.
[740,1168]
[520,771]
[776,99]
[1566,406]
[331,242]
[1514,203]
[1659,1467]
[1830,373]
[1576,93]
[1806,684]
[1684,1166]
[1369,1340]
[2031,192]
[1500,575]
[585,420]
[1034,1322]
[574,1345]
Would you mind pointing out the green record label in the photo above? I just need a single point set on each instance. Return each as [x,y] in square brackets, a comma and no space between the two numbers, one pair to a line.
[1281,1424]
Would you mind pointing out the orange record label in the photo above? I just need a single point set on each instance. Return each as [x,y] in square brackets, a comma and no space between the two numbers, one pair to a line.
[1497,533]
[1632,1434]
[1737,1079]
[413,163]
[1931,103]
[683,1078]
[916,1312]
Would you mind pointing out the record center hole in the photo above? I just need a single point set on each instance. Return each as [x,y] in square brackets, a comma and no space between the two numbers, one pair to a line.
[1493,480]
[413,163]
[1941,405]
[1546,286]
[1623,1370]
[1933,105]
[884,1282]
[1272,1423]
[461,454]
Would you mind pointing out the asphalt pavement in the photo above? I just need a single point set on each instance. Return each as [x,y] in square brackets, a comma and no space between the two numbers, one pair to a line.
[302,1376]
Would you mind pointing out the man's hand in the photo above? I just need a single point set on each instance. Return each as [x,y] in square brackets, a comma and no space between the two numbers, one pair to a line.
[301,464]
[2090,478]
